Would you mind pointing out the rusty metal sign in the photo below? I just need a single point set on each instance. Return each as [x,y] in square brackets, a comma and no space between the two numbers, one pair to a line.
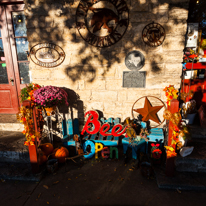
[47,55]
[102,23]
[153,34]
[149,112]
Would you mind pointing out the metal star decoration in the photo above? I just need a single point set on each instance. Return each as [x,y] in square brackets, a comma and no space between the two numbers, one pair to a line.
[149,112]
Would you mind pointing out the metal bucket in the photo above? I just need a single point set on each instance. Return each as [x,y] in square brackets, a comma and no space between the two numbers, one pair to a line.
[52,165]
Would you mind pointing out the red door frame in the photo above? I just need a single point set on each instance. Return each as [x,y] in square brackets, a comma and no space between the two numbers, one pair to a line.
[10,53]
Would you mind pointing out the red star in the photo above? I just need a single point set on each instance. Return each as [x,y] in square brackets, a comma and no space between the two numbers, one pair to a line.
[149,112]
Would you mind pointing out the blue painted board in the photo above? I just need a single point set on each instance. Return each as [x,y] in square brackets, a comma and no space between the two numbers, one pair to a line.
[69,127]
[109,138]
[93,137]
[107,143]
[101,137]
[76,126]
[64,129]
[116,121]
[140,145]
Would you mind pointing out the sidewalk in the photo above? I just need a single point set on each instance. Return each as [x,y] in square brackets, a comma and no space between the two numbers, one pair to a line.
[22,170]
[91,182]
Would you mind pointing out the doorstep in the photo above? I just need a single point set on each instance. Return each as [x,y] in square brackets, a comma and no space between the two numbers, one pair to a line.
[18,127]
[181,180]
[12,148]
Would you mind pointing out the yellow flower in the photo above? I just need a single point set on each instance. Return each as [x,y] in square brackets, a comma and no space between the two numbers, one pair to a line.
[169,148]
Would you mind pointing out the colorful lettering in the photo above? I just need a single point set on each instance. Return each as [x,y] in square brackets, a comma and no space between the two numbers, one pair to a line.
[92,119]
[111,152]
[92,150]
[98,147]
[105,152]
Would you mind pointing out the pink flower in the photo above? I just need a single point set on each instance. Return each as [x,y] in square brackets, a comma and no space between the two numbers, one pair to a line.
[50,95]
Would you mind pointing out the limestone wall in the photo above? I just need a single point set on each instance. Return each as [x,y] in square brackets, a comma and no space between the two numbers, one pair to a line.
[94,75]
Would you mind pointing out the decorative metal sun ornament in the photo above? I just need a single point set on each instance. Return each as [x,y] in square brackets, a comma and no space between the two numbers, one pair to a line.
[153,34]
[102,23]
[149,112]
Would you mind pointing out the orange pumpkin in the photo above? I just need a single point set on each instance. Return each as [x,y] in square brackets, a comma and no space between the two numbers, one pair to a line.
[61,153]
[47,148]
[42,157]
[53,153]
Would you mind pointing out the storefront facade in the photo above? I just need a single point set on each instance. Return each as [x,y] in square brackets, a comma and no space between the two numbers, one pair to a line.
[106,53]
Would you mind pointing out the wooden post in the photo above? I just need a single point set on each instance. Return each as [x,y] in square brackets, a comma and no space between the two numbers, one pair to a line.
[170,161]
[32,148]
[174,107]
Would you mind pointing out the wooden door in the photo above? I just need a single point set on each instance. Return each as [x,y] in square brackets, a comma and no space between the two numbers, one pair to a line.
[14,68]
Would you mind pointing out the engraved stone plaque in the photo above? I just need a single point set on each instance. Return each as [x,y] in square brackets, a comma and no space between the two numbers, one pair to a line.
[134,79]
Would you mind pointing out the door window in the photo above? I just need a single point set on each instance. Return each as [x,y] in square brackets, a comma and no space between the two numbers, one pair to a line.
[20,36]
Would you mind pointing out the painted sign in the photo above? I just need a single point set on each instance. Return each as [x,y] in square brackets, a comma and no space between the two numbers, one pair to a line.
[47,55]
[117,130]
[95,148]
[102,23]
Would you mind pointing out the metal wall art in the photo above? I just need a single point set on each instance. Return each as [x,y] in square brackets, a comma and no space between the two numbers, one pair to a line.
[102,23]
[149,112]
[134,60]
[153,34]
[47,55]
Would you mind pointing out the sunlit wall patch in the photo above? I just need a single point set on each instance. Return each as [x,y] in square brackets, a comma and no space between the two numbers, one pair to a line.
[153,34]
[47,55]
[102,23]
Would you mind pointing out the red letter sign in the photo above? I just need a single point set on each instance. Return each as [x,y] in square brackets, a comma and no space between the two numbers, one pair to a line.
[93,118]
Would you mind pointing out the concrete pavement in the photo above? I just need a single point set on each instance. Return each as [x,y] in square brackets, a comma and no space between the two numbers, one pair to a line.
[102,182]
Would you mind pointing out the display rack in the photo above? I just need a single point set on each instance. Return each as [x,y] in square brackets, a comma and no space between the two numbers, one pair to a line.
[53,117]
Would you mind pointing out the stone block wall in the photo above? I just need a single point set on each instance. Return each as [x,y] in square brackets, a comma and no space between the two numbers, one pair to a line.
[95,74]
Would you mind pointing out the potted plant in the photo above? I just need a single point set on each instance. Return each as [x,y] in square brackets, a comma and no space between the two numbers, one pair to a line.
[28,91]
[49,97]
[170,93]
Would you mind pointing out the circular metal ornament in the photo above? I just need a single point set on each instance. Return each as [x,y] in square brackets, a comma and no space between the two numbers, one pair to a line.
[153,34]
[102,23]
[134,60]
[47,55]
[162,103]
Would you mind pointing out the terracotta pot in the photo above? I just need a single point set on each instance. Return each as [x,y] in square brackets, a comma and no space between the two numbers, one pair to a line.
[50,110]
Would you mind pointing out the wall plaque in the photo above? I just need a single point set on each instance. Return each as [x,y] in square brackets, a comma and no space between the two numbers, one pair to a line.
[153,34]
[134,79]
[134,60]
[47,55]
[102,23]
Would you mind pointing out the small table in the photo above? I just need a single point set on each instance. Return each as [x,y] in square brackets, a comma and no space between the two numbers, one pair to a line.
[136,145]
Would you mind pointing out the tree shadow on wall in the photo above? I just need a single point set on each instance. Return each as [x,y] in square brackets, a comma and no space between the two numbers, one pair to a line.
[56,21]
[75,107]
